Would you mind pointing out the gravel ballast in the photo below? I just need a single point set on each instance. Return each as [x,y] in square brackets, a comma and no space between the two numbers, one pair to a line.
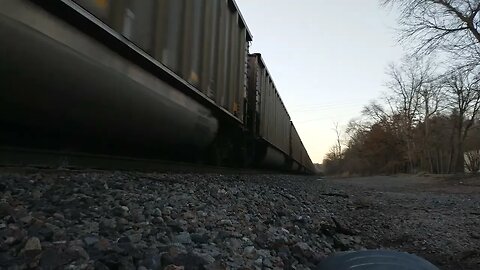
[61,219]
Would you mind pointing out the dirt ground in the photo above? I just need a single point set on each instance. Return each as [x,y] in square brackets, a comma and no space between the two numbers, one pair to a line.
[436,217]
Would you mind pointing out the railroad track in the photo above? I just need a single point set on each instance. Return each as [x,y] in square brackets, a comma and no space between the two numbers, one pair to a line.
[48,159]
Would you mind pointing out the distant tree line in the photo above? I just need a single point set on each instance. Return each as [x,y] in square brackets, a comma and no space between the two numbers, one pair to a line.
[428,119]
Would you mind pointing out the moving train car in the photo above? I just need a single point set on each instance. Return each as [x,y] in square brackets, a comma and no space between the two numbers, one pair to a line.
[201,41]
[157,79]
[278,143]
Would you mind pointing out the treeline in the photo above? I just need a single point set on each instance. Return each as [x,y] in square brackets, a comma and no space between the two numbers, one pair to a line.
[428,119]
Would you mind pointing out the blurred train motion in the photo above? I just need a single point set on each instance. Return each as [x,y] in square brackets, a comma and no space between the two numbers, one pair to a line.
[155,79]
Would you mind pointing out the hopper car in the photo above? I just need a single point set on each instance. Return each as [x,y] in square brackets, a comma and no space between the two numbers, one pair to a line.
[154,79]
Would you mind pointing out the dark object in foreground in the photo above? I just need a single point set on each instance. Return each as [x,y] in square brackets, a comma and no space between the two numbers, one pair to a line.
[375,260]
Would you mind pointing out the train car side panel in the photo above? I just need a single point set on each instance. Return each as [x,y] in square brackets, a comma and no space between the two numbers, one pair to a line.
[296,150]
[204,42]
[274,117]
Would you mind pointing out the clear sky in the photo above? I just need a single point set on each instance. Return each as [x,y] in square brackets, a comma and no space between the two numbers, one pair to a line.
[327,57]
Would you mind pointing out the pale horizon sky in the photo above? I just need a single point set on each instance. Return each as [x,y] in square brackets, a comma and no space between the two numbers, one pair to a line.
[327,58]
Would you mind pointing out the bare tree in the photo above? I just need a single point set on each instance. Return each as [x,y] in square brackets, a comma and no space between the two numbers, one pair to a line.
[407,82]
[432,103]
[463,87]
[354,128]
[422,73]
[452,26]
[376,112]
[338,147]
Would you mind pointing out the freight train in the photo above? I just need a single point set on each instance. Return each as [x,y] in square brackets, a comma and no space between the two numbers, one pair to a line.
[156,79]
